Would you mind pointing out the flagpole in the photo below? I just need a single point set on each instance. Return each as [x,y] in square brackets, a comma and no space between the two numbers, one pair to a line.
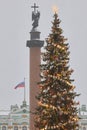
[24,90]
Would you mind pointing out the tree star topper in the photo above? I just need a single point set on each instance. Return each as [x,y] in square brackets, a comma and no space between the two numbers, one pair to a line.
[35,16]
[55,9]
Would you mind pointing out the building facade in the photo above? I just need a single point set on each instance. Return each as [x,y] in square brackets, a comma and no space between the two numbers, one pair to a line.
[15,119]
[18,118]
[83,118]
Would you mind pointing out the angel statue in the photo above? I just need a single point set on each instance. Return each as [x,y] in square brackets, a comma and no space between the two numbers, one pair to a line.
[35,16]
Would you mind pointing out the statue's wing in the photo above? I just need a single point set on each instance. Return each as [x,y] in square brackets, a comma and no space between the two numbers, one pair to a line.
[38,14]
[33,16]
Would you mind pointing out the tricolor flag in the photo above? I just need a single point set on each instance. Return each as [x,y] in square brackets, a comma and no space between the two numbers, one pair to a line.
[20,85]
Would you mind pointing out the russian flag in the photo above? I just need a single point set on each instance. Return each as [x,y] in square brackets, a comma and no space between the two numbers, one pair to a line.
[20,85]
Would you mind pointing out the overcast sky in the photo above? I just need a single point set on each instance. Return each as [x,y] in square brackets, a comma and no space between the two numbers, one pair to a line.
[15,25]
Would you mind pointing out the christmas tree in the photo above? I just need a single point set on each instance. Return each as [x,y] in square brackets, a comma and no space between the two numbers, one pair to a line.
[57,108]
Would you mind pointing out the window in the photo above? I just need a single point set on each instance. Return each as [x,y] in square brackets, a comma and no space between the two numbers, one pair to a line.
[15,127]
[3,127]
[84,128]
[24,128]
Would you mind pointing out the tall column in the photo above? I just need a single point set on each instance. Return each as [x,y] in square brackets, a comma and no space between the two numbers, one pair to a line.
[35,45]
